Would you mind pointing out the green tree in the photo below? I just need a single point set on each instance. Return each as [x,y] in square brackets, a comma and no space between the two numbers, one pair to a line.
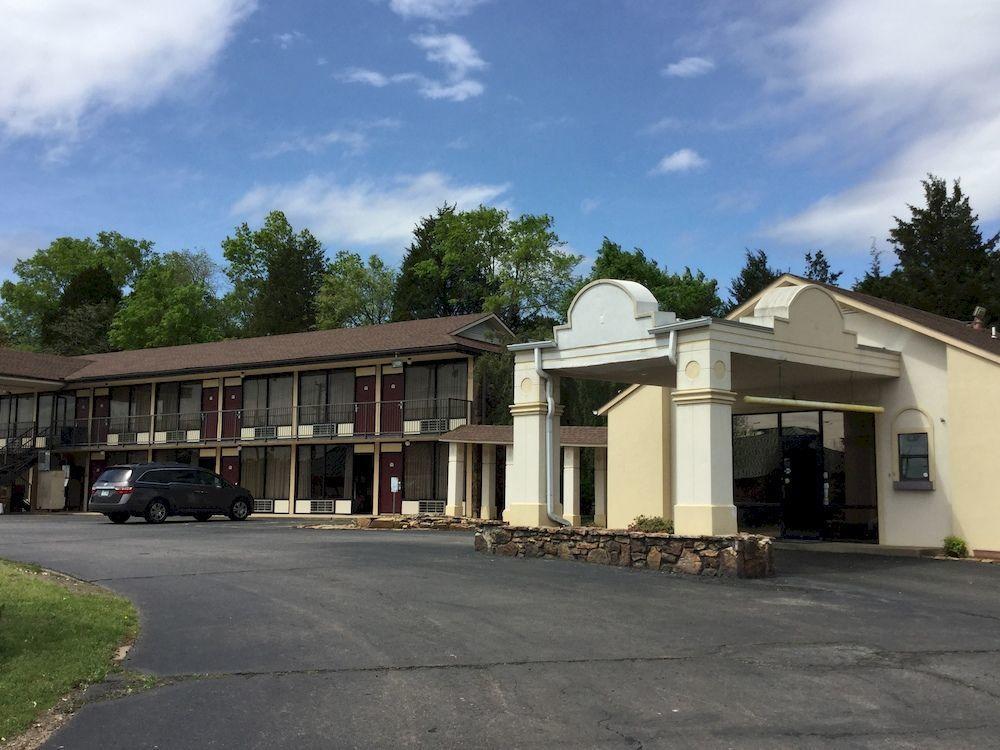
[818,269]
[422,287]
[172,302]
[484,259]
[875,281]
[690,295]
[276,276]
[752,279]
[355,293]
[944,264]
[30,303]
[79,323]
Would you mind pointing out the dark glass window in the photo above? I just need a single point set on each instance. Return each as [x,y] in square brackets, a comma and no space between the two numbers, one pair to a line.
[326,396]
[429,386]
[425,471]
[115,475]
[265,472]
[267,400]
[914,457]
[325,472]
[178,405]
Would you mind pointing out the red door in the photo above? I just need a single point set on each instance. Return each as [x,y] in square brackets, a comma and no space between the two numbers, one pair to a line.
[364,407]
[209,413]
[81,431]
[102,414]
[390,483]
[392,404]
[97,465]
[231,469]
[232,403]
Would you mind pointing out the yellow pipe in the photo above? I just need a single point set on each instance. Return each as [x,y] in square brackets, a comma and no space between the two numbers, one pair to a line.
[800,404]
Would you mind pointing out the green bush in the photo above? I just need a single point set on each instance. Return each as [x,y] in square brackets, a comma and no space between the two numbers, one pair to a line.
[652,524]
[955,546]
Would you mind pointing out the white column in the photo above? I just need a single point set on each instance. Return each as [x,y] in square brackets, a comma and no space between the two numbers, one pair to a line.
[508,480]
[571,486]
[526,493]
[703,444]
[600,486]
[456,480]
[488,500]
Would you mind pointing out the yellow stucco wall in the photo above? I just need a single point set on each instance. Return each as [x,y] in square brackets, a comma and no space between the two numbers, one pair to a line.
[639,475]
[974,417]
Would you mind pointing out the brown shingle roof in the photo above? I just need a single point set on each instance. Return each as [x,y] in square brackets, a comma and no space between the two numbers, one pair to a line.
[18,364]
[503,434]
[340,343]
[939,324]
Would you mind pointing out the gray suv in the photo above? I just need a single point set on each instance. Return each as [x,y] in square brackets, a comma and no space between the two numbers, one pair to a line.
[155,491]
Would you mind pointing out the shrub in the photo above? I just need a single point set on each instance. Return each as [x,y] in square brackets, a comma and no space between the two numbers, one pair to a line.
[652,524]
[955,546]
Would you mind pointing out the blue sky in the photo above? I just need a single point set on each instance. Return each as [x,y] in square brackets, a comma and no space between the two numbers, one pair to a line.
[690,130]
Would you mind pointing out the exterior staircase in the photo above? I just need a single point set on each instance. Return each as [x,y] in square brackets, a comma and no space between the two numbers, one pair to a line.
[17,456]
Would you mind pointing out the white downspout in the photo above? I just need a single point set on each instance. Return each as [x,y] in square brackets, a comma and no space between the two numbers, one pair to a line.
[550,414]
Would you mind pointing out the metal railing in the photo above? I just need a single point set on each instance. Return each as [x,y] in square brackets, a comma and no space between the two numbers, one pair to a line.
[319,421]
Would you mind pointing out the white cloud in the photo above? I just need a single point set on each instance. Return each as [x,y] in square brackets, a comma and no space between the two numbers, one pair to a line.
[916,88]
[662,125]
[682,160]
[689,67]
[288,39]
[452,52]
[589,205]
[435,10]
[355,140]
[364,212]
[64,62]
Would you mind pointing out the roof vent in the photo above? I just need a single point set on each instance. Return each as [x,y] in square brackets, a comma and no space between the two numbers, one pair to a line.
[979,318]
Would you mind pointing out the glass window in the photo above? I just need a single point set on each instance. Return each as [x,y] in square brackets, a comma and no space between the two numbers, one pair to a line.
[46,410]
[312,397]
[267,400]
[277,471]
[418,469]
[115,475]
[914,457]
[419,382]
[252,471]
[325,471]
[451,380]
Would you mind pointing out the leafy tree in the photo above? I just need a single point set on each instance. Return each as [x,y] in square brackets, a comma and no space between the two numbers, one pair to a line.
[944,264]
[753,278]
[422,287]
[355,293]
[818,269]
[173,302]
[690,295]
[79,323]
[276,276]
[31,304]
[483,259]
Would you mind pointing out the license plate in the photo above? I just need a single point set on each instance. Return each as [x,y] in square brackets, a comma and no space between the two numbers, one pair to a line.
[105,493]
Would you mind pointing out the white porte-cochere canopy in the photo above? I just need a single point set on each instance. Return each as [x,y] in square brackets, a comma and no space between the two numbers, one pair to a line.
[615,331]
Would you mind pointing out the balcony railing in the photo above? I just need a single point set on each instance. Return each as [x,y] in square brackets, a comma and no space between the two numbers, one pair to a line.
[320,421]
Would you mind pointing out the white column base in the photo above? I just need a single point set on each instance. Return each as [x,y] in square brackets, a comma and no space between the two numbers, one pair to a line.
[574,520]
[527,514]
[705,520]
[455,510]
[601,521]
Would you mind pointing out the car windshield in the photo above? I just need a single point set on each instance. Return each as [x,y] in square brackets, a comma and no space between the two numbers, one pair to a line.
[116,475]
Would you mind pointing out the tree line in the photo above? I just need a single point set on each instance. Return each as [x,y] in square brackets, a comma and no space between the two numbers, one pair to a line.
[110,292]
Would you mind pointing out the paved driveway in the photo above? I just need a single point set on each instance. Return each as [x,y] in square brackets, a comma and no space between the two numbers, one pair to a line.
[276,637]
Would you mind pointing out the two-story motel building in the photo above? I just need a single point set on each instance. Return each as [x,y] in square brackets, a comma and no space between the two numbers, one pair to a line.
[321,422]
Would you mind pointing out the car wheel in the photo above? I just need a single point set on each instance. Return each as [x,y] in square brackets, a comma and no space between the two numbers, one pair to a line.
[118,517]
[156,512]
[240,510]
[202,516]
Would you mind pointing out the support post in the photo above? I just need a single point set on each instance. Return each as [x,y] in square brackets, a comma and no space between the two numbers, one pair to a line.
[571,486]
[456,480]
[703,444]
[601,487]
[526,493]
[488,504]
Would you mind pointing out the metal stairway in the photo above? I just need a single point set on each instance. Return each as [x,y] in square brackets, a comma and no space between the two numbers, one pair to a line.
[18,455]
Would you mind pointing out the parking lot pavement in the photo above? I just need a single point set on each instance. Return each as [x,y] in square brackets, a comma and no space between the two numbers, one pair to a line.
[266,636]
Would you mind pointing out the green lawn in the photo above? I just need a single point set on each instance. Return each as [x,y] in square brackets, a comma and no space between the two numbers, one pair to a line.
[55,636]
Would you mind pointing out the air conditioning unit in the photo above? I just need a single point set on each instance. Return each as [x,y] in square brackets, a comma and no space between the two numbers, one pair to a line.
[175,436]
[434,425]
[324,430]
[321,506]
[432,506]
[263,506]
[126,438]
[262,433]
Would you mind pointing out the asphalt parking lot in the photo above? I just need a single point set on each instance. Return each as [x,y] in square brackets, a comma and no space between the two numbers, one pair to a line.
[268,636]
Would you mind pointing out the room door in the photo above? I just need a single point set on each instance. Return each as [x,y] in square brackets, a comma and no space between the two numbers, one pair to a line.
[102,417]
[364,479]
[232,403]
[364,406]
[392,404]
[209,413]
[231,469]
[390,483]
[97,467]
[81,425]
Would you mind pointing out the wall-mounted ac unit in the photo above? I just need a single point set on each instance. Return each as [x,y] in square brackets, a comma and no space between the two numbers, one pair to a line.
[263,506]
[175,436]
[321,506]
[324,430]
[262,433]
[434,425]
[124,438]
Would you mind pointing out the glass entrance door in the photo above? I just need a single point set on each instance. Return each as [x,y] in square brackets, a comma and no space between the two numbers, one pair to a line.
[801,481]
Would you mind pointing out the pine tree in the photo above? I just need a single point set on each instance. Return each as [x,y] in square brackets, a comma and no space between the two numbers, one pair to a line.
[753,278]
[818,269]
[421,290]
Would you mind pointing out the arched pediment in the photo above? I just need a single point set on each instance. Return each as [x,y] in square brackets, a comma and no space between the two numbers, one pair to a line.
[610,310]
[804,315]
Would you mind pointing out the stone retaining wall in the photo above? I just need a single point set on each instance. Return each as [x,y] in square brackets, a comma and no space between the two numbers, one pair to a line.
[740,555]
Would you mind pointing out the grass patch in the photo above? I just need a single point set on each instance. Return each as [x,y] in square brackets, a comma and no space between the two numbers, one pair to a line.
[55,635]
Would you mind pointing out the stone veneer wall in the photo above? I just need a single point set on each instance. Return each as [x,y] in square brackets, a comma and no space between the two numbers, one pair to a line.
[740,555]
